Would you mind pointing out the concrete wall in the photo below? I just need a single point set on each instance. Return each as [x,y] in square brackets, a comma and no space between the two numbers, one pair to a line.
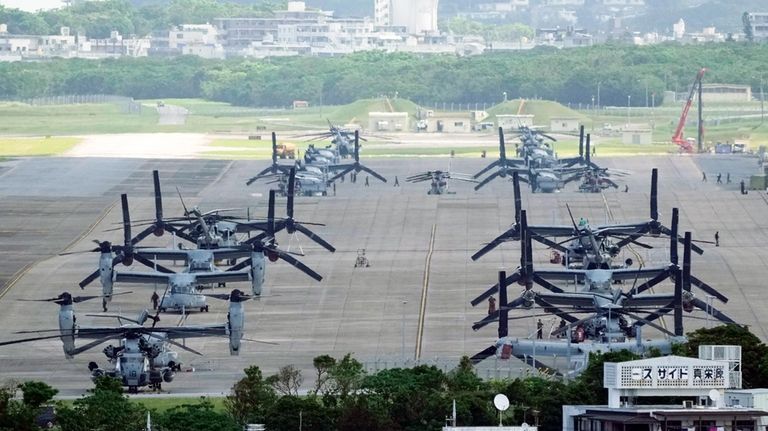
[564,124]
[637,137]
[449,124]
[388,121]
[512,122]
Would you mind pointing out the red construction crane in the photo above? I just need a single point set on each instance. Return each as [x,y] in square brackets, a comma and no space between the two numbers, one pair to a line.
[677,138]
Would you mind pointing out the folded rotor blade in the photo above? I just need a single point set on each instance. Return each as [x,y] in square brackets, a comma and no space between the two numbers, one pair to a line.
[93,344]
[296,263]
[483,355]
[314,237]
[487,180]
[156,266]
[513,278]
[372,172]
[88,280]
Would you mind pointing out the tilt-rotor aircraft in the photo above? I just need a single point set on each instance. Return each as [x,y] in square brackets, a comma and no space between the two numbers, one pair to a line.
[607,306]
[184,287]
[142,356]
[621,234]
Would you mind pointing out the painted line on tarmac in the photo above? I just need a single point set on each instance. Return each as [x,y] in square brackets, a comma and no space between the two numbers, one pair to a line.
[424,291]
[23,271]
[90,229]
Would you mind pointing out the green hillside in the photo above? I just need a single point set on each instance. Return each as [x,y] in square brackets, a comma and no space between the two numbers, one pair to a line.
[542,110]
[357,112]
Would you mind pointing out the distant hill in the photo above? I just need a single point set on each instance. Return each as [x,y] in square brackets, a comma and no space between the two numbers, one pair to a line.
[725,15]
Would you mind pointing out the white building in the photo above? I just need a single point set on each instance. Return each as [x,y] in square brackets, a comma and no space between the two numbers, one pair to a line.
[678,29]
[759,24]
[417,16]
[712,404]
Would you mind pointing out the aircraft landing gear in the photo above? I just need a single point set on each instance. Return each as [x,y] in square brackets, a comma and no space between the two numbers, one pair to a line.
[104,304]
[204,309]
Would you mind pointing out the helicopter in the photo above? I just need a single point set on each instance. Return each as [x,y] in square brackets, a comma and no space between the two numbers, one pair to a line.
[439,180]
[308,180]
[141,357]
[342,143]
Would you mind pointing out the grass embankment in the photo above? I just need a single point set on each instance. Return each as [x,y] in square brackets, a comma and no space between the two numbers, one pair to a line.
[27,120]
[163,404]
[23,147]
[166,403]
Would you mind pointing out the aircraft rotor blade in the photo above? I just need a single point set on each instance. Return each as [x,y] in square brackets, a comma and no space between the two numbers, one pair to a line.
[314,237]
[483,355]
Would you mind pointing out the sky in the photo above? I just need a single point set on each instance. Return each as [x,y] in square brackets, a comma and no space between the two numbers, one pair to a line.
[31,5]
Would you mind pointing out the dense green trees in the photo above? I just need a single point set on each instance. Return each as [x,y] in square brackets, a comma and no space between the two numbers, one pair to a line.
[568,76]
[346,398]
[98,18]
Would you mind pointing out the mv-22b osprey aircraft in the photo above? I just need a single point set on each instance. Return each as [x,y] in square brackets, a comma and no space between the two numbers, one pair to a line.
[142,356]
[183,293]
[606,305]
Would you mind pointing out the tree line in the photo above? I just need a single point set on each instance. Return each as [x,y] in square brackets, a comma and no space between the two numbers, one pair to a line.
[606,74]
[345,398]
[98,18]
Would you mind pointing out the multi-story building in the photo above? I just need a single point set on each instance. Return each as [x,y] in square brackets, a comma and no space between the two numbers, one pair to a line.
[238,33]
[201,40]
[417,16]
[759,23]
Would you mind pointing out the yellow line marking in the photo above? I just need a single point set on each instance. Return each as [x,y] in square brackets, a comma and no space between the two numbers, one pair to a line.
[23,271]
[424,290]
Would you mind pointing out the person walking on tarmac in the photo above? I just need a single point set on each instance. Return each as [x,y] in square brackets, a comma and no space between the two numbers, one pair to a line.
[397,183]
[155,299]
[703,177]
[717,239]
[539,330]
[491,305]
[728,178]
[367,184]
[719,178]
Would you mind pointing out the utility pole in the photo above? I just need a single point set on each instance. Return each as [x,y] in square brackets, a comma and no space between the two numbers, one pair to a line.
[762,100]
[700,137]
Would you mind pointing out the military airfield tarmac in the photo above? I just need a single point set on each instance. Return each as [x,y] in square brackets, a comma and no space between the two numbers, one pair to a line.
[412,302]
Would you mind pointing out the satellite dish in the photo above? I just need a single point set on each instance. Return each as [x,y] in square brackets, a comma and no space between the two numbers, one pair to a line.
[502,402]
[714,395]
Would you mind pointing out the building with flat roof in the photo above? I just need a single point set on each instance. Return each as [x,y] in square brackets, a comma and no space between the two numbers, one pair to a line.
[759,23]
[713,403]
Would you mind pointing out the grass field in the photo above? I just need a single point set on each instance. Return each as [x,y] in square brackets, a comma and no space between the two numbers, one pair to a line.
[26,120]
[20,147]
[221,118]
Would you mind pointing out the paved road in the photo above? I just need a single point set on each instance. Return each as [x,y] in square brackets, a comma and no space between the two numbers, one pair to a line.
[375,312]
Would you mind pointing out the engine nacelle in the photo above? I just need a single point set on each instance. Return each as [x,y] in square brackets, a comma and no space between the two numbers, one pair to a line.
[258,266]
[106,275]
[67,329]
[235,322]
